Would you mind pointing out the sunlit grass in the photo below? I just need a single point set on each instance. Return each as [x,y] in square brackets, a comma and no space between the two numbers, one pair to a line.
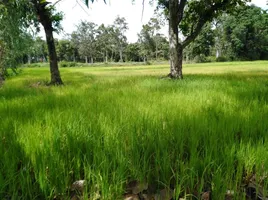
[109,125]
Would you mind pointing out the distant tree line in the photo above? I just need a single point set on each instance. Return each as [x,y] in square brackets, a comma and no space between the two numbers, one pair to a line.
[242,35]
[91,43]
[223,31]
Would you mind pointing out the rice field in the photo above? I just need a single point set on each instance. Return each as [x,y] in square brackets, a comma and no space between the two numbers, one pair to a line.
[113,125]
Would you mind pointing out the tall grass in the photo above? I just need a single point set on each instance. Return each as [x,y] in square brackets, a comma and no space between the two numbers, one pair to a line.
[206,132]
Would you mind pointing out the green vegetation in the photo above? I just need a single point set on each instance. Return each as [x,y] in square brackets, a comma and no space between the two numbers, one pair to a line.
[109,125]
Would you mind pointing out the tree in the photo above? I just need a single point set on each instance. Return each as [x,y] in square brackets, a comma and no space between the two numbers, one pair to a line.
[49,19]
[86,38]
[105,41]
[42,11]
[14,38]
[133,52]
[65,50]
[243,35]
[202,46]
[120,27]
[39,51]
[146,41]
[156,24]
[152,43]
[190,16]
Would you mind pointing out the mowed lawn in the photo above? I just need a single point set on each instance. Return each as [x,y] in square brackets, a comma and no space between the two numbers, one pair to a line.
[112,125]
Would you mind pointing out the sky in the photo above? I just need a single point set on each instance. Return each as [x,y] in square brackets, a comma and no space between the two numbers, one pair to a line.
[98,12]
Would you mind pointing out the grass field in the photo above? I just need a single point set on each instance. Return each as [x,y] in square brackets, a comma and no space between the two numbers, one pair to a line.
[111,125]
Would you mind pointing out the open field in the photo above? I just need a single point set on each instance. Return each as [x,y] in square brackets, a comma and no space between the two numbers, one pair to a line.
[111,125]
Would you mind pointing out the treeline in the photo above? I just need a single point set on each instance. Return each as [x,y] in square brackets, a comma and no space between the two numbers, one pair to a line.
[242,35]
[91,43]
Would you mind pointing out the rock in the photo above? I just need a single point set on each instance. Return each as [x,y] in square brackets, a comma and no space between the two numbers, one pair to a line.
[131,197]
[35,85]
[205,196]
[147,196]
[135,187]
[74,197]
[229,195]
[165,194]
[78,186]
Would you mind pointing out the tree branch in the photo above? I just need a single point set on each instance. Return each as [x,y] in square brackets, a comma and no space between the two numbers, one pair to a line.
[203,19]
[57,2]
[194,33]
[181,10]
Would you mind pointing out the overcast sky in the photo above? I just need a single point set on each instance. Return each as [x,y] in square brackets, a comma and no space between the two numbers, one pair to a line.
[74,11]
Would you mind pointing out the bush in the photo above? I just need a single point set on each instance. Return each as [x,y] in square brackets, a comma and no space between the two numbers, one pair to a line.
[211,59]
[221,59]
[200,59]
[32,65]
[67,64]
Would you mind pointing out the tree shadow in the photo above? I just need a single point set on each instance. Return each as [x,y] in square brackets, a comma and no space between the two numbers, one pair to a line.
[212,145]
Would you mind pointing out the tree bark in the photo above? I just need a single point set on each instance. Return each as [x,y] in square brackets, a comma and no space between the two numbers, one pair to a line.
[29,59]
[106,56]
[121,54]
[2,76]
[156,50]
[74,57]
[175,48]
[54,69]
[44,17]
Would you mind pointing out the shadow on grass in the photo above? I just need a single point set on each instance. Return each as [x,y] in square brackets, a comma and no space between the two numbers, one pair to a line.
[209,149]
[17,177]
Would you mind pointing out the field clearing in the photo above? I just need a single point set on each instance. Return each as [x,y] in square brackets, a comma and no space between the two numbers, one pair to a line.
[111,125]
[207,68]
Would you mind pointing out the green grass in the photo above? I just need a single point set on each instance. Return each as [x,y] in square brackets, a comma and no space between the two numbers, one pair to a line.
[110,125]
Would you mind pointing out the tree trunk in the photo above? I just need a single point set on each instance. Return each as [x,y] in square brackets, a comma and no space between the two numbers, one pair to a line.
[86,59]
[44,17]
[106,56]
[74,57]
[54,68]
[174,46]
[121,55]
[156,50]
[29,59]
[2,76]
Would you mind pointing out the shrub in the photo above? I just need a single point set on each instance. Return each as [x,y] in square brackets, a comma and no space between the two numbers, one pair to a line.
[67,64]
[221,59]
[32,65]
[200,59]
[211,59]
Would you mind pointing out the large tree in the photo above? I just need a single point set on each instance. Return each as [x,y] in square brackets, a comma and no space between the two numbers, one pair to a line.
[146,40]
[47,16]
[244,35]
[14,39]
[42,11]
[188,17]
[120,28]
[86,38]
[105,41]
